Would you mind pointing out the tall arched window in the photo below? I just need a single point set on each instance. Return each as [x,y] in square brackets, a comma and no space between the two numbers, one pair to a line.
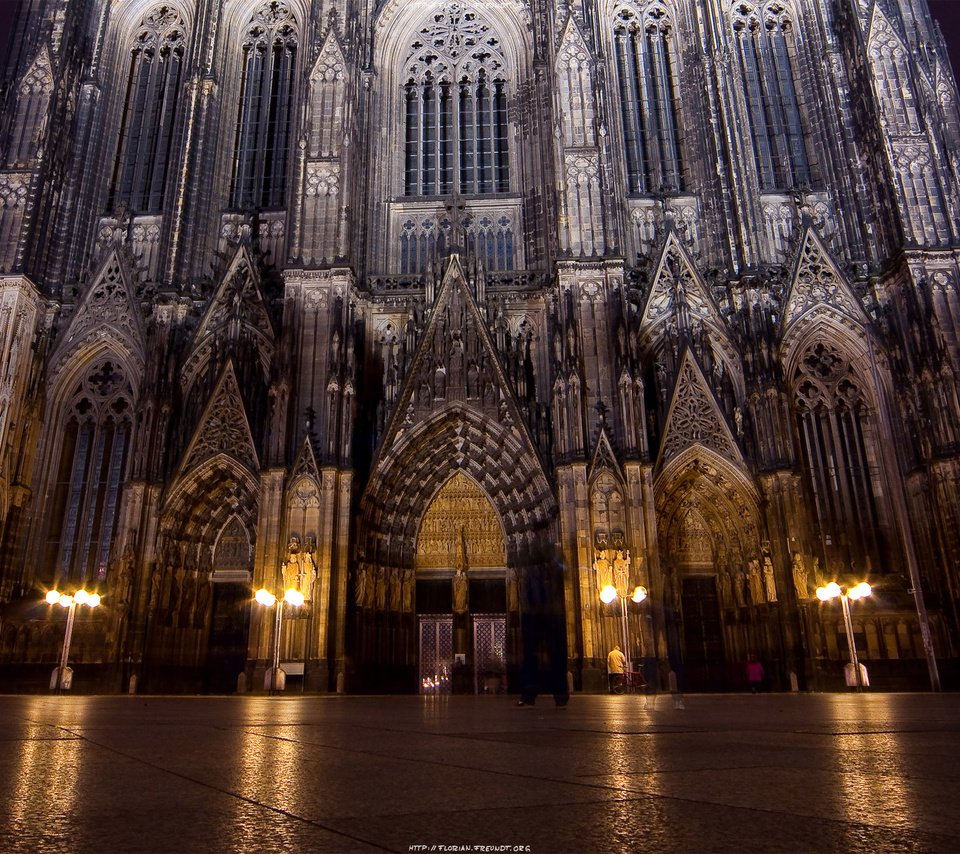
[93,459]
[456,108]
[840,450]
[150,105]
[642,44]
[266,108]
[763,38]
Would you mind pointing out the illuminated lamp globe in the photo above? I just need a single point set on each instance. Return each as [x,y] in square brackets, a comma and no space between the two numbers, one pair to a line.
[860,591]
[93,600]
[65,600]
[608,594]
[293,597]
[82,596]
[52,597]
[265,597]
[639,594]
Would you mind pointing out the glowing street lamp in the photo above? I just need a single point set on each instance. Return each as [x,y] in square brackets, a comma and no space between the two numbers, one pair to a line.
[275,678]
[858,591]
[62,677]
[608,595]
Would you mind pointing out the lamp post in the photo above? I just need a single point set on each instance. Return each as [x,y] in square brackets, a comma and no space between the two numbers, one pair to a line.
[608,595]
[858,591]
[61,680]
[292,597]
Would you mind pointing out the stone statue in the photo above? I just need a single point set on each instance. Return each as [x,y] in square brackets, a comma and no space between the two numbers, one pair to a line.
[381,589]
[756,583]
[395,590]
[725,589]
[800,577]
[621,570]
[460,588]
[513,591]
[360,589]
[738,584]
[602,567]
[155,580]
[408,588]
[768,580]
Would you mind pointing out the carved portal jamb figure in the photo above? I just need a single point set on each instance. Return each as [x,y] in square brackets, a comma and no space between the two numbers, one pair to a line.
[756,583]
[460,589]
[621,570]
[602,567]
[381,588]
[513,590]
[408,585]
[360,590]
[800,577]
[768,580]
[395,590]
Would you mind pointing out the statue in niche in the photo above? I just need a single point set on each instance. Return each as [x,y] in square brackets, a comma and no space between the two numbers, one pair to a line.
[293,546]
[307,574]
[360,589]
[395,590]
[513,591]
[440,381]
[603,569]
[725,589]
[408,588]
[381,589]
[121,589]
[756,583]
[291,572]
[460,589]
[739,582]
[621,570]
[817,574]
[155,581]
[473,381]
[800,577]
[768,580]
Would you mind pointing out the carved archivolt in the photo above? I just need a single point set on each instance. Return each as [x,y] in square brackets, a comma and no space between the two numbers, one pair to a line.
[460,526]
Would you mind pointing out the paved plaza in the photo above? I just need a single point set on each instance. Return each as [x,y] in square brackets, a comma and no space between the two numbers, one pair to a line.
[843,773]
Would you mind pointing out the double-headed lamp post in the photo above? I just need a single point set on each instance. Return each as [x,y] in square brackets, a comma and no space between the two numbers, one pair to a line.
[81,597]
[858,591]
[292,597]
[608,595]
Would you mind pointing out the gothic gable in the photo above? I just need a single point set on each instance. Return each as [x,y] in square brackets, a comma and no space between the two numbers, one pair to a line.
[305,467]
[108,309]
[604,459]
[236,310]
[818,286]
[223,428]
[694,418]
[455,364]
[38,78]
[680,297]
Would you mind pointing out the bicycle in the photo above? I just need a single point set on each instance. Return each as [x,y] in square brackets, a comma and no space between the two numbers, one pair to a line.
[629,682]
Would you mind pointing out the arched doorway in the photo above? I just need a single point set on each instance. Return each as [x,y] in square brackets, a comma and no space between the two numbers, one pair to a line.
[462,592]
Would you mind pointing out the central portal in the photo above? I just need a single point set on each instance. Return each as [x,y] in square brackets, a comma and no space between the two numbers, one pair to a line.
[463,592]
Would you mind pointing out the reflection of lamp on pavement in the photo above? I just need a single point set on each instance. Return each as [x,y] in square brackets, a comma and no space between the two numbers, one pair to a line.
[275,678]
[858,591]
[611,593]
[62,677]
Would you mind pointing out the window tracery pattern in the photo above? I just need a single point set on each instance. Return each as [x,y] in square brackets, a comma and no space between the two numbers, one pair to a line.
[150,105]
[764,43]
[93,459]
[840,450]
[455,103]
[642,42]
[263,136]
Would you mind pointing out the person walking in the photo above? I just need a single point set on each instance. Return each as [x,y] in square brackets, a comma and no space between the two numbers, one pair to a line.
[616,664]
[754,673]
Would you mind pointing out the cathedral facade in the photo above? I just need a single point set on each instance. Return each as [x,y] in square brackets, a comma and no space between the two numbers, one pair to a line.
[453,316]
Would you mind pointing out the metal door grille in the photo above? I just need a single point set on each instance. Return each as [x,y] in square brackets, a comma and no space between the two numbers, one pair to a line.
[436,654]
[489,654]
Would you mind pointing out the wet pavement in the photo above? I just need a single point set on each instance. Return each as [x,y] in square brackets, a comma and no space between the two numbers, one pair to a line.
[845,773]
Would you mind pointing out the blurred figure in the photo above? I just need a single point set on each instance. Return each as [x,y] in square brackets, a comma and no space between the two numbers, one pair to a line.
[754,673]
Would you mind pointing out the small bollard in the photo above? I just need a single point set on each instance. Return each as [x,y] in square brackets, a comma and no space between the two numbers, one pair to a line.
[340,683]
[794,682]
[132,686]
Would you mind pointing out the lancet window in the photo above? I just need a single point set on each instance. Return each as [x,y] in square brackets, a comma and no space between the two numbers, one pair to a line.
[93,459]
[643,46]
[153,85]
[840,452]
[764,42]
[455,100]
[264,121]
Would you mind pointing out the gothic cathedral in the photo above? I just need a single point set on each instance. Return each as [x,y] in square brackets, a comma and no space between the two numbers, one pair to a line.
[485,326]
